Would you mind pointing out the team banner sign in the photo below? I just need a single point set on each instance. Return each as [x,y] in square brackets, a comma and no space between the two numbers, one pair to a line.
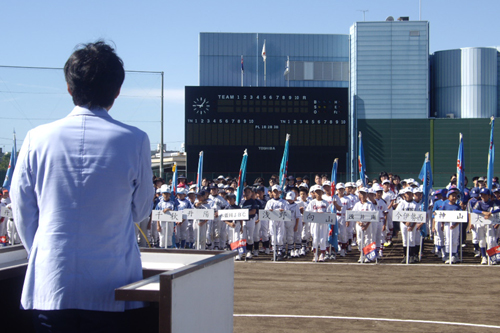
[239,246]
[275,215]
[409,216]
[170,216]
[480,219]
[198,214]
[325,218]
[370,251]
[366,216]
[6,212]
[233,215]
[451,216]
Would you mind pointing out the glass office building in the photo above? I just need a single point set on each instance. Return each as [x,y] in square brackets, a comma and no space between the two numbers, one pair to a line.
[314,60]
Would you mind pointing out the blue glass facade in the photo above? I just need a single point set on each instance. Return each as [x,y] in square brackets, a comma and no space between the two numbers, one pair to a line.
[315,60]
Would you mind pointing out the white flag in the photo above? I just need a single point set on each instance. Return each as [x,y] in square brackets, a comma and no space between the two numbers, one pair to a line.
[287,68]
[264,56]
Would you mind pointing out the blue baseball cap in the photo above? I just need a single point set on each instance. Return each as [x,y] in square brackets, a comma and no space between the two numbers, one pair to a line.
[452,190]
[474,192]
[485,190]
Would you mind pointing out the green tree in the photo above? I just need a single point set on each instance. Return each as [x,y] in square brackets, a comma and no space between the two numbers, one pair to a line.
[4,162]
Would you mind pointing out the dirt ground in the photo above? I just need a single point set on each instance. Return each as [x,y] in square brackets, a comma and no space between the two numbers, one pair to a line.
[428,291]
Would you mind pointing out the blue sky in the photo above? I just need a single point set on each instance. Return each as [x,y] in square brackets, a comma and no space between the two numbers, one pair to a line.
[163,36]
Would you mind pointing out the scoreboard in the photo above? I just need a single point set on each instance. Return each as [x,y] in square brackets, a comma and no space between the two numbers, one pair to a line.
[224,121]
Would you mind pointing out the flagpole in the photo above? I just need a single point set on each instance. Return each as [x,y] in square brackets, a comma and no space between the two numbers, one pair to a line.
[265,63]
[288,74]
[491,155]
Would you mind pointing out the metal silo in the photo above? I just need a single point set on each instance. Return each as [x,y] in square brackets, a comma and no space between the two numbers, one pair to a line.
[479,82]
[446,84]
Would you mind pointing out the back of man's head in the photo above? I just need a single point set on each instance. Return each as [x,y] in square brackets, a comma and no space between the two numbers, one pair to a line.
[94,74]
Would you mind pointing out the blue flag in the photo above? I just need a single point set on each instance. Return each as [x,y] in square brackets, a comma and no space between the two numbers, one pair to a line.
[241,178]
[333,236]
[12,165]
[284,166]
[426,178]
[427,181]
[199,175]
[491,156]
[174,180]
[460,167]
[361,161]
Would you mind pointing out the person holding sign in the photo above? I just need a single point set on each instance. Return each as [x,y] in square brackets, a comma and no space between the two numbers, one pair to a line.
[277,228]
[200,227]
[164,228]
[408,229]
[248,226]
[292,227]
[319,231]
[217,231]
[452,205]
[237,233]
[382,207]
[486,233]
[182,227]
[364,233]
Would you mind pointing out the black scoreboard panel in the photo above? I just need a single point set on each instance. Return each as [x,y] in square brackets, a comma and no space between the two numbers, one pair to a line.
[224,121]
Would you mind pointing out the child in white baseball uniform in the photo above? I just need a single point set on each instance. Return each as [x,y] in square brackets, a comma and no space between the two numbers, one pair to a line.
[408,229]
[277,228]
[165,229]
[380,228]
[305,234]
[319,231]
[390,198]
[292,227]
[341,218]
[364,230]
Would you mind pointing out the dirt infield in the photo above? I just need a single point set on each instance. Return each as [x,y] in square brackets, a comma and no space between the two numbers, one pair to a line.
[350,294]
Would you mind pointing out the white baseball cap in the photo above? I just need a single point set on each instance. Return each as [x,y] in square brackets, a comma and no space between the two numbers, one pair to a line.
[386,181]
[317,188]
[377,187]
[349,184]
[359,183]
[182,191]
[363,189]
[164,189]
[304,185]
[290,195]
[327,183]
[339,185]
[417,190]
[276,187]
[371,191]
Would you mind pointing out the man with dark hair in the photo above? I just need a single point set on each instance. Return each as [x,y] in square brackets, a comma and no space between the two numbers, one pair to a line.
[80,184]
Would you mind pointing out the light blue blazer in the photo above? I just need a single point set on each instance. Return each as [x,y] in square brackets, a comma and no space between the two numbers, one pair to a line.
[79,185]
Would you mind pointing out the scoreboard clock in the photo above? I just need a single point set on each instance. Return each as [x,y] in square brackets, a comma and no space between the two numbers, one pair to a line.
[224,121]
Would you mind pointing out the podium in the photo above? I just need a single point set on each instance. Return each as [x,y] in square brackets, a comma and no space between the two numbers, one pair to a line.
[188,290]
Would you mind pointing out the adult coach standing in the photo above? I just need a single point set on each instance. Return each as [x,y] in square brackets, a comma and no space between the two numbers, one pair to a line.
[80,184]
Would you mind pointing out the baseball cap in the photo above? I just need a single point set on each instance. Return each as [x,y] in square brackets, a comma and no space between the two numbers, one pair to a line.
[221,177]
[340,185]
[276,187]
[485,190]
[304,185]
[495,190]
[377,187]
[451,191]
[212,186]
[259,189]
[407,190]
[290,196]
[291,177]
[317,188]
[182,191]
[481,179]
[164,189]
[305,177]
[201,193]
[417,190]
[349,184]
[415,183]
[359,182]
[327,183]
[248,188]
[363,189]
[474,192]
[371,191]
[158,190]
[231,196]
[386,181]
[181,176]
